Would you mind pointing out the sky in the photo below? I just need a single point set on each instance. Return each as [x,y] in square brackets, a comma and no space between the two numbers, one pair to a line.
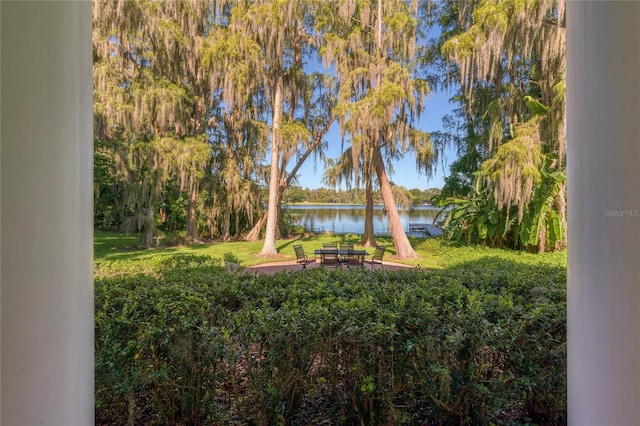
[405,172]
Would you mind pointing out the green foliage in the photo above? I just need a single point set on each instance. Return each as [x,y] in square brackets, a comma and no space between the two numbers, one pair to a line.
[230,257]
[105,191]
[518,180]
[536,107]
[483,342]
[542,225]
[479,219]
[509,60]
[296,194]
[159,348]
[459,183]
[475,220]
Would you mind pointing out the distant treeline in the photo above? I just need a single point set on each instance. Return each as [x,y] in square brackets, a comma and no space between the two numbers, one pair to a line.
[297,194]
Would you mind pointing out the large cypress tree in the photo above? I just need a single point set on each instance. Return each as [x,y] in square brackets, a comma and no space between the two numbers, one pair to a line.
[371,45]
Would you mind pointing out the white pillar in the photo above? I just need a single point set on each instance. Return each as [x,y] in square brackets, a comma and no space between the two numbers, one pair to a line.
[603,118]
[46,212]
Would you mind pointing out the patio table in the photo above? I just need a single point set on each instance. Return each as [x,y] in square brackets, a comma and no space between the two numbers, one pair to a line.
[342,254]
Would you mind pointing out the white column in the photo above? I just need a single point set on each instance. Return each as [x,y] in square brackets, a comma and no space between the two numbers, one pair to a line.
[603,110]
[46,188]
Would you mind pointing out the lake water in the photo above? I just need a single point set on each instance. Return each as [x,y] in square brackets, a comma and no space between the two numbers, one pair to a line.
[349,219]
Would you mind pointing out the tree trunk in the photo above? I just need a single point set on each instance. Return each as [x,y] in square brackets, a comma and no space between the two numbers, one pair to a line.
[254,233]
[226,224]
[400,240]
[148,230]
[236,229]
[269,247]
[192,219]
[368,238]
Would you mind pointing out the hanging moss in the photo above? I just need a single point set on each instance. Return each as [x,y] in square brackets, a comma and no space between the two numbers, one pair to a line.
[513,170]
[502,51]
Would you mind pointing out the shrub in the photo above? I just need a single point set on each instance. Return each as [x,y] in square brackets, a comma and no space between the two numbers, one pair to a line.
[230,257]
[480,343]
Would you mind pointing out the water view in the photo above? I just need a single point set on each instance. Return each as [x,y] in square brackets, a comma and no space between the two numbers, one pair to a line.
[349,219]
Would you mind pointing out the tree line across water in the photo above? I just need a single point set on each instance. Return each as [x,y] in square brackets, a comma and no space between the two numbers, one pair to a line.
[203,106]
[412,197]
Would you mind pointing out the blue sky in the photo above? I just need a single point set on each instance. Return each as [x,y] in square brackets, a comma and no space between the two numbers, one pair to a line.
[405,172]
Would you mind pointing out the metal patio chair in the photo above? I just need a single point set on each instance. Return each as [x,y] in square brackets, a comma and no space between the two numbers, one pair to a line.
[355,258]
[302,258]
[376,258]
[329,257]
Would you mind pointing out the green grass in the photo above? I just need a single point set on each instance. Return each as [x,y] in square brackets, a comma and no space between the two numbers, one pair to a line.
[434,253]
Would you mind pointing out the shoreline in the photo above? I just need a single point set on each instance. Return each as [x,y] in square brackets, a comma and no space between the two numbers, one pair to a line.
[431,206]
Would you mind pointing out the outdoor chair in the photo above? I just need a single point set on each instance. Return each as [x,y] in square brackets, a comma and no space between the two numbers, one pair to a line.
[376,258]
[329,257]
[330,246]
[355,258]
[344,249]
[302,258]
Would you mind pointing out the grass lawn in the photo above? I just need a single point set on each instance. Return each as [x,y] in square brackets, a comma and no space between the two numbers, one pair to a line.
[434,253]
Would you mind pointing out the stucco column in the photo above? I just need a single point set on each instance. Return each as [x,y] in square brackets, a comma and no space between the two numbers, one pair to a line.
[46,212]
[603,118]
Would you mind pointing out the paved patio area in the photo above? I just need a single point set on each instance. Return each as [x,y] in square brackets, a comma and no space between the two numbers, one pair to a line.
[291,266]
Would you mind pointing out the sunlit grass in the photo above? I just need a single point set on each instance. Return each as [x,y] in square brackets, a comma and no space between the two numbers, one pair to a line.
[434,253]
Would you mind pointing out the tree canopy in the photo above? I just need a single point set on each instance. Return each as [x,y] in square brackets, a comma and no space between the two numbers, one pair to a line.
[206,110]
[509,61]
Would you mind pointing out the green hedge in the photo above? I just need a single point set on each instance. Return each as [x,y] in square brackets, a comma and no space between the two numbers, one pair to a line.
[481,343]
